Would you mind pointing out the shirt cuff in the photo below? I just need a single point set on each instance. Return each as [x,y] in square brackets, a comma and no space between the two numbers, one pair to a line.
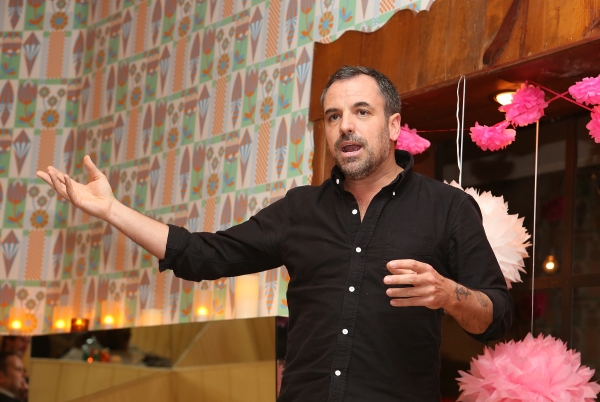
[502,316]
[177,241]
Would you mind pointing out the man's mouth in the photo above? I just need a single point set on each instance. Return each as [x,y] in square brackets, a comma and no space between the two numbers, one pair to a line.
[351,148]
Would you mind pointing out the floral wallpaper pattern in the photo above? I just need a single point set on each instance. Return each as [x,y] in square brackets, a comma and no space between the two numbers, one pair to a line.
[196,110]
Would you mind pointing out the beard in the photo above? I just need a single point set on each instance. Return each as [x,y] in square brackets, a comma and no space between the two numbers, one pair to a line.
[373,157]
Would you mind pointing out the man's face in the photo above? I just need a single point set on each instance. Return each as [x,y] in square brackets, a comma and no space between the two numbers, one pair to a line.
[358,134]
[18,344]
[13,380]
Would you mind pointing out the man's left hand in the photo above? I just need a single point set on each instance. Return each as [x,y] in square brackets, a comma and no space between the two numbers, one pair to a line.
[426,286]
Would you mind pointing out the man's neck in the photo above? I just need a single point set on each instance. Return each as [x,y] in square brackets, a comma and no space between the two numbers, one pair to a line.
[365,189]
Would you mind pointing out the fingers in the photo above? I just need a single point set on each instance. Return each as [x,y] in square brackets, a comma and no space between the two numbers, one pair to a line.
[402,266]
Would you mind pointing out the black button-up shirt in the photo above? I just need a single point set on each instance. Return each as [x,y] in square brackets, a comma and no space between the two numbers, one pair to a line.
[345,341]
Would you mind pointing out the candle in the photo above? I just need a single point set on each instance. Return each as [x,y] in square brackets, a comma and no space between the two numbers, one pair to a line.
[151,316]
[110,314]
[246,296]
[79,324]
[202,304]
[16,320]
[60,318]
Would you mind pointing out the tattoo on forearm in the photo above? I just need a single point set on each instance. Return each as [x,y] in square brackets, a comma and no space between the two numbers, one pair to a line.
[483,301]
[462,291]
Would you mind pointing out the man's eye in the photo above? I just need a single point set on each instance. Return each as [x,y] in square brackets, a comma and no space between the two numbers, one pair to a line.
[363,112]
[333,117]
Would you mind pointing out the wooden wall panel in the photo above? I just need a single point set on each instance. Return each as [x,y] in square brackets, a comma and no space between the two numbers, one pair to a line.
[247,382]
[168,341]
[64,380]
[464,47]
[433,30]
[494,17]
[232,342]
[155,387]
[394,61]
[451,38]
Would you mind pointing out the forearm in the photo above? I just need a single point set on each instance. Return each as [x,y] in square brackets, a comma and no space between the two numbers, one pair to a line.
[147,232]
[473,310]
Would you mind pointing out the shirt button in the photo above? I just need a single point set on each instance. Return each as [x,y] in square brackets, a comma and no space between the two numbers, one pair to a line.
[354,212]
[358,250]
[338,373]
[345,331]
[337,181]
[393,193]
[351,288]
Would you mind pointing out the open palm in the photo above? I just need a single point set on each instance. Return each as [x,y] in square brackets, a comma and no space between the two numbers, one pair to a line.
[95,198]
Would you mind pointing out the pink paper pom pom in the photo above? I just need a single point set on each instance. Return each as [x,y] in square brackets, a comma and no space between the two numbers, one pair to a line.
[594,125]
[527,106]
[586,91]
[534,369]
[493,138]
[410,141]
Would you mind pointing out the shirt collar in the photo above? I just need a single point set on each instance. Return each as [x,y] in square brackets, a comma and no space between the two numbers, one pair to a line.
[7,393]
[403,159]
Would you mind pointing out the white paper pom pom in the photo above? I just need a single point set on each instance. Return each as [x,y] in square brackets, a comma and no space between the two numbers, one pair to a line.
[506,233]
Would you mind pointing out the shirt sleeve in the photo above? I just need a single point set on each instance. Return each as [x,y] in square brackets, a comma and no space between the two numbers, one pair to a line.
[475,266]
[249,247]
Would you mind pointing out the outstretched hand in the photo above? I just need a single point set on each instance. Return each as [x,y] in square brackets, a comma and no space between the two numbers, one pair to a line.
[95,198]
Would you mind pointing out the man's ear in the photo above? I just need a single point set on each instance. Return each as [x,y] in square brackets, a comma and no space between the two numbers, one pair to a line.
[394,126]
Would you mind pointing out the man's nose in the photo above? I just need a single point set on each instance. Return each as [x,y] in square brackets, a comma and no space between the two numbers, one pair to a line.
[347,124]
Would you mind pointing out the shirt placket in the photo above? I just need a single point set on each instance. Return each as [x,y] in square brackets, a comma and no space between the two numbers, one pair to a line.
[350,304]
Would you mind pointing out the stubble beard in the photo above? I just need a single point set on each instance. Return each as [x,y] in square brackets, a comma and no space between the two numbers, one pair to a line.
[374,156]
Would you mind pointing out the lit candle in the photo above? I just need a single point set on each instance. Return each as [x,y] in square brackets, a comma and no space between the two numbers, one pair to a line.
[110,314]
[151,316]
[79,324]
[202,304]
[60,318]
[16,318]
[246,296]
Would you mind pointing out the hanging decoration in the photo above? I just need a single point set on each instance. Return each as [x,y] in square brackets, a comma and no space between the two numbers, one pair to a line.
[527,107]
[534,369]
[594,124]
[506,233]
[493,138]
[410,141]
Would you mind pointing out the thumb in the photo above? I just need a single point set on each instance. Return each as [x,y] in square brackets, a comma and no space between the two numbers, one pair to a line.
[93,171]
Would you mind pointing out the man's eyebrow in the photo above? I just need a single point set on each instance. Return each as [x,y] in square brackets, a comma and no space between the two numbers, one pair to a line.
[355,105]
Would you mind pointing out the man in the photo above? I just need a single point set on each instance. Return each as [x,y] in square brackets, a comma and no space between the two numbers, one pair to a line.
[15,343]
[12,377]
[375,256]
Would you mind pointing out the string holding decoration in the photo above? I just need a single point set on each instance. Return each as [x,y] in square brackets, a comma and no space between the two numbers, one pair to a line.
[527,107]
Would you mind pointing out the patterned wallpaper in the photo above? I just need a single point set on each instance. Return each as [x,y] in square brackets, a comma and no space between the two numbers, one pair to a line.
[195,110]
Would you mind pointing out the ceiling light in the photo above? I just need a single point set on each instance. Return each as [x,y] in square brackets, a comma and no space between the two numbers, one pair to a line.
[504,98]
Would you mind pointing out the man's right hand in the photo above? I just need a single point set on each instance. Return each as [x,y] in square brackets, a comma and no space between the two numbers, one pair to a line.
[95,198]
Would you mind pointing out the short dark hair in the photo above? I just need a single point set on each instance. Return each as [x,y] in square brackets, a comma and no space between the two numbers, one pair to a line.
[387,89]
[4,360]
